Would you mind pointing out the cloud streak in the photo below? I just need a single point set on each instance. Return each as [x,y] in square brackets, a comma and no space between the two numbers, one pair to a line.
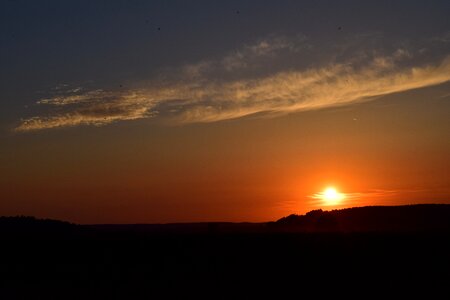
[91,108]
[199,97]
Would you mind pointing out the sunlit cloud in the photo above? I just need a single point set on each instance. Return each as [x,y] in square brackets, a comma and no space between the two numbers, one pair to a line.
[203,92]
[91,108]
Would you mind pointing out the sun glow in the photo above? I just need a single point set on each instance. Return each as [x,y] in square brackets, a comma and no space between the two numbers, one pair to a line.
[330,196]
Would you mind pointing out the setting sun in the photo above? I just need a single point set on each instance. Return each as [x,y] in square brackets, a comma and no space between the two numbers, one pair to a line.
[331,196]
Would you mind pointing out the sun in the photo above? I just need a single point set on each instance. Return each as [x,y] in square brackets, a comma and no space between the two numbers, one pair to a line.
[330,196]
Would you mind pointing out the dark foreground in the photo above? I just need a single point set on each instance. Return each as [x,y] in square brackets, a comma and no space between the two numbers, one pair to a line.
[251,261]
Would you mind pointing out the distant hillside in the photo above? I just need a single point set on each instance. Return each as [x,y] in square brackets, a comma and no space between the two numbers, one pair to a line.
[421,217]
[21,226]
[408,218]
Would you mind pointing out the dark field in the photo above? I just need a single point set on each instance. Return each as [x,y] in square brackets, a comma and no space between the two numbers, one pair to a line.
[219,261]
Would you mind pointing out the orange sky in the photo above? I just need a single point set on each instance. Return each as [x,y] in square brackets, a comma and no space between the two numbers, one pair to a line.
[150,112]
[390,151]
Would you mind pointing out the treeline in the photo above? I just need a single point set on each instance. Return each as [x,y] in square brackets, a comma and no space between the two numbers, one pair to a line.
[422,217]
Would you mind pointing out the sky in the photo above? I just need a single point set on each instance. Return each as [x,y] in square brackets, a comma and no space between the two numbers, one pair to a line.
[198,111]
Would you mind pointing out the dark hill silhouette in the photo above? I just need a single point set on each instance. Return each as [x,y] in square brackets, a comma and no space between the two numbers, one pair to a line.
[26,226]
[408,218]
[375,250]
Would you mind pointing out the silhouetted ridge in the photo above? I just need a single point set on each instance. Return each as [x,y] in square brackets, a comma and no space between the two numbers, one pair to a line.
[30,226]
[421,217]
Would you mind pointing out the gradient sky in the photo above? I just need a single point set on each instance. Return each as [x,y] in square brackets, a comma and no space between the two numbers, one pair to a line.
[185,111]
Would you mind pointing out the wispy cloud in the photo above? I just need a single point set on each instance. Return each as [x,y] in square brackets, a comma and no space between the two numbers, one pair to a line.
[249,57]
[198,96]
[91,108]
[263,48]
